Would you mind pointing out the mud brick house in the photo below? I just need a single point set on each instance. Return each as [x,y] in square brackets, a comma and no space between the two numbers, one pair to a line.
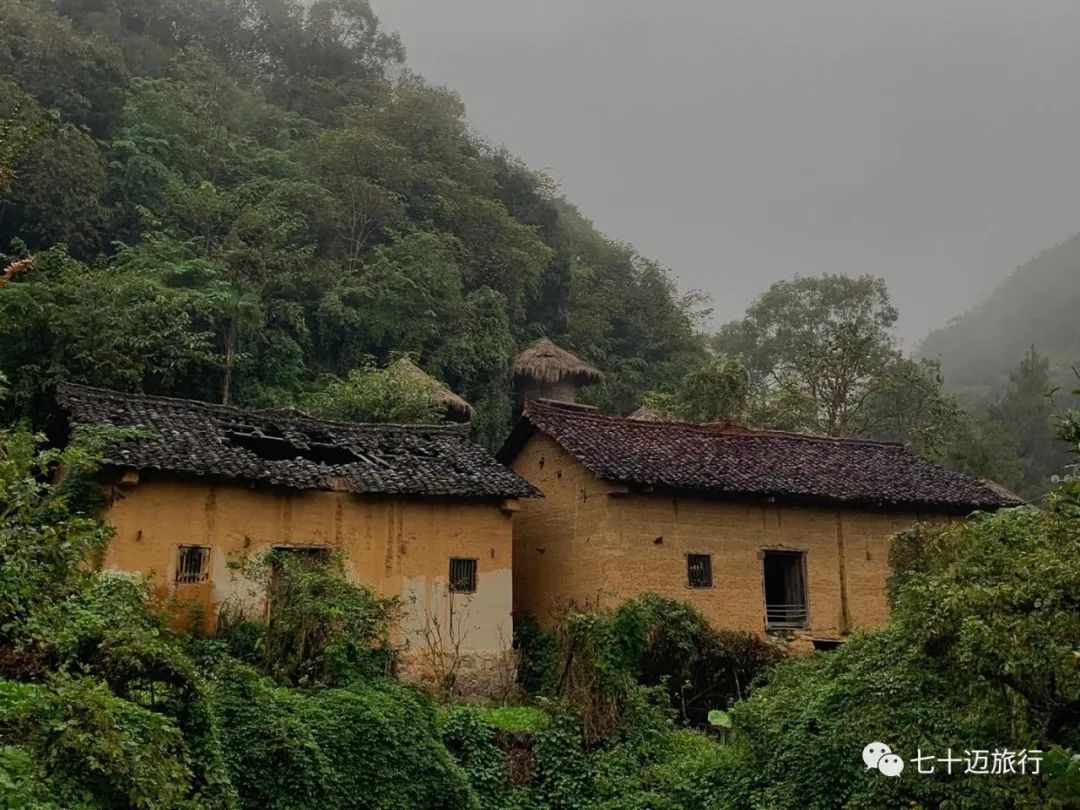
[418,511]
[761,530]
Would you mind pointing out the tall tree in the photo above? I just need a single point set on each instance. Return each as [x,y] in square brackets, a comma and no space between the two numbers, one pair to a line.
[718,389]
[21,124]
[1026,412]
[818,350]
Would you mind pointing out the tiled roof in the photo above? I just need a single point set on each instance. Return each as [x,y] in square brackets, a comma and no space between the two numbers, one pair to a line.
[727,459]
[290,449]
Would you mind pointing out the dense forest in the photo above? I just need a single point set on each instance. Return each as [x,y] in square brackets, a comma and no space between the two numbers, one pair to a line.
[231,201]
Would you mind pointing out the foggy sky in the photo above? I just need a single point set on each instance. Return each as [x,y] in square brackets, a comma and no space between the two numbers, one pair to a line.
[932,142]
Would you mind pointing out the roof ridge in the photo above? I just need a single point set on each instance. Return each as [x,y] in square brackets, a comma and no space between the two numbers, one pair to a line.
[266,413]
[739,431]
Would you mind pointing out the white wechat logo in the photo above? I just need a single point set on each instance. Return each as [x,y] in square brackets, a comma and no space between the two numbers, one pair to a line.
[877,755]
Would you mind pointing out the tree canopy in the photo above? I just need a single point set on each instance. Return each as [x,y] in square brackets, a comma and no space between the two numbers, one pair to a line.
[819,350]
[232,201]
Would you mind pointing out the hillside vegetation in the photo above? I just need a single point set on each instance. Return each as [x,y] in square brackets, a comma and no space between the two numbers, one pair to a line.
[234,201]
[1035,306]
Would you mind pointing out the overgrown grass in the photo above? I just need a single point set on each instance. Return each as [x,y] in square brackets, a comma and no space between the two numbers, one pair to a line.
[515,718]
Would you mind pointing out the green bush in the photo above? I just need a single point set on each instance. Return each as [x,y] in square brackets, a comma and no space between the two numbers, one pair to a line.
[369,747]
[655,767]
[22,781]
[702,667]
[384,749]
[469,736]
[605,659]
[562,774]
[538,659]
[94,749]
[271,754]
[679,776]
[322,628]
[45,532]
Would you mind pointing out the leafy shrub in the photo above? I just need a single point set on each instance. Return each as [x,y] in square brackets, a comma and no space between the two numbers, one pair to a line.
[470,738]
[562,774]
[365,746]
[680,775]
[321,627]
[112,632]
[272,757]
[538,659]
[605,659]
[666,769]
[702,667]
[655,768]
[383,746]
[95,749]
[45,533]
[599,655]
[395,394]
[22,781]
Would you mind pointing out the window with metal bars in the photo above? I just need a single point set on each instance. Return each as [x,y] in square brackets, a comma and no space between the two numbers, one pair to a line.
[192,564]
[462,575]
[699,570]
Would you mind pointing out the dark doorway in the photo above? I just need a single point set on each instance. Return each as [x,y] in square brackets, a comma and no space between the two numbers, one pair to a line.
[785,589]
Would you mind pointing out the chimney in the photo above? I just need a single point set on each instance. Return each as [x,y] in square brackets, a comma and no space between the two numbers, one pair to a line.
[546,371]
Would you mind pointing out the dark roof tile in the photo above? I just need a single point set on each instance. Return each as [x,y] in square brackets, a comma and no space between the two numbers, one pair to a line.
[292,450]
[724,458]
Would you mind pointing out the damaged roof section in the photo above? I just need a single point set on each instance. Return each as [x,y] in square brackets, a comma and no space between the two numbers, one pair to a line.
[728,459]
[291,449]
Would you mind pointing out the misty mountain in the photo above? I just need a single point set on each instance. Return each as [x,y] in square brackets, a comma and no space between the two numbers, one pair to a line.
[1035,306]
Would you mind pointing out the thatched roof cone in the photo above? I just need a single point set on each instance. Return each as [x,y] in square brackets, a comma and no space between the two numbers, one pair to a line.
[458,408]
[645,414]
[545,362]
[1000,489]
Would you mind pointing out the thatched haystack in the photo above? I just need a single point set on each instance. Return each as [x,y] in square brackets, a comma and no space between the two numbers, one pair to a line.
[16,267]
[545,362]
[457,409]
[646,414]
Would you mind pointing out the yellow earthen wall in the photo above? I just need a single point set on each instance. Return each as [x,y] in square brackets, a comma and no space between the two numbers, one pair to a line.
[398,547]
[588,543]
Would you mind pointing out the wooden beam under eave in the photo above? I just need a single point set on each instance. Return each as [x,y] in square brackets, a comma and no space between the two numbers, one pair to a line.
[129,478]
[510,505]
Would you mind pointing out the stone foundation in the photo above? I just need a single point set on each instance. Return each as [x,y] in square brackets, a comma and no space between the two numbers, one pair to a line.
[480,676]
